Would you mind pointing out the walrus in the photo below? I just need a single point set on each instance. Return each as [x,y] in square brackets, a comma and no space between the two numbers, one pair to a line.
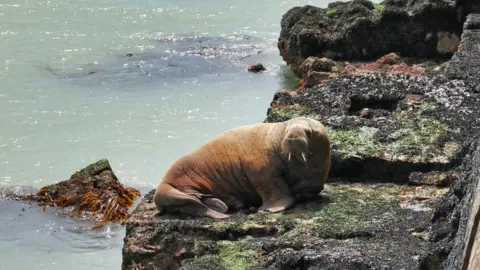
[266,165]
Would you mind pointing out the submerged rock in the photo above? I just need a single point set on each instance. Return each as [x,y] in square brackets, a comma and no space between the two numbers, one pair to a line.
[169,57]
[256,68]
[93,190]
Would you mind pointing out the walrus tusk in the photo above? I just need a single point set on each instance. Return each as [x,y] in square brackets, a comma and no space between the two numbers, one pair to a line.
[303,156]
[289,155]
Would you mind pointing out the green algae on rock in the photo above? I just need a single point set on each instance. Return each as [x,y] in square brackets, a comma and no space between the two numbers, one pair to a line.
[349,216]
[415,140]
[288,112]
[377,122]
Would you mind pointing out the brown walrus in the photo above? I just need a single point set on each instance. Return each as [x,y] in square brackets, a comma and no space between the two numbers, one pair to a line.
[265,164]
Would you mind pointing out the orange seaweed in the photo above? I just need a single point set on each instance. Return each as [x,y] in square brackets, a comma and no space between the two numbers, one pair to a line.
[111,202]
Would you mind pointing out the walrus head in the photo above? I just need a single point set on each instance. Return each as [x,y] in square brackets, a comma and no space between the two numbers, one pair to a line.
[305,145]
[296,139]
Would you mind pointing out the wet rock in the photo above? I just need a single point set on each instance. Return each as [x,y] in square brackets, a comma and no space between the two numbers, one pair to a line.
[16,192]
[361,30]
[468,6]
[256,68]
[347,226]
[94,190]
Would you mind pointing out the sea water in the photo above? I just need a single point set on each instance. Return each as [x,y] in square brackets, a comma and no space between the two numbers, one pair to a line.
[140,83]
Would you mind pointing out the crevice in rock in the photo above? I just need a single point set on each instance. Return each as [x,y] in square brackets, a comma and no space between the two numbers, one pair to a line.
[360,103]
[377,170]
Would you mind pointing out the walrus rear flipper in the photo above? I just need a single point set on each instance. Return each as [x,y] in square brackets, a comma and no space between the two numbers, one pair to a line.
[212,203]
[170,198]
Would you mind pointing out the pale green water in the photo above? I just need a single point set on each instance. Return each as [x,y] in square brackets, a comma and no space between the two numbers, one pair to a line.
[140,115]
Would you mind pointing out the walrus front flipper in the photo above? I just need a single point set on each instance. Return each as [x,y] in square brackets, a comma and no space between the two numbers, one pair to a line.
[275,195]
[278,206]
[172,199]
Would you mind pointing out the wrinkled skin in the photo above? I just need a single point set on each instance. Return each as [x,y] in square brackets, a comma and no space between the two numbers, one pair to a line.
[266,165]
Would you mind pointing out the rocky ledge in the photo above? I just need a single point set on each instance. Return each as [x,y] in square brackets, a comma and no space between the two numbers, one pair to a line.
[404,166]
[346,225]
[361,30]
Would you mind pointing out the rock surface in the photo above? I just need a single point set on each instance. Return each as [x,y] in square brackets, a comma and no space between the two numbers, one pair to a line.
[384,127]
[449,224]
[346,221]
[93,190]
[448,234]
[361,30]
[400,141]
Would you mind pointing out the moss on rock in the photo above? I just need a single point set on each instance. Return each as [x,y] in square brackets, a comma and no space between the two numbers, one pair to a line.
[97,167]
[362,214]
[385,126]
[416,139]
[288,112]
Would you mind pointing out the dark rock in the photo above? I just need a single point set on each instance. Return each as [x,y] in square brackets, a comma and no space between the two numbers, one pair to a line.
[361,30]
[256,68]
[316,70]
[466,62]
[414,123]
[93,190]
[450,221]
[449,229]
[433,178]
[467,7]
[348,227]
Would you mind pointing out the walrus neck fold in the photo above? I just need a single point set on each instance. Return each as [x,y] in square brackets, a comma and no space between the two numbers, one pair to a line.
[275,136]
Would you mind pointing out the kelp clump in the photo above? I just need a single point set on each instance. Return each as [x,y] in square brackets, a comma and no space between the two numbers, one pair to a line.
[93,190]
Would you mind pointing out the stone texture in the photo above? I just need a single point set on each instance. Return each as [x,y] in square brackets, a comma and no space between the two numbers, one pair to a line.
[361,30]
[383,127]
[347,227]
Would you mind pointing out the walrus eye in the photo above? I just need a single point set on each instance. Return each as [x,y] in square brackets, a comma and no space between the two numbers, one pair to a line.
[308,133]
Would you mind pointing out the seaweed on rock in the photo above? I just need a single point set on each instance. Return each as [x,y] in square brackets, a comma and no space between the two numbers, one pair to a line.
[93,190]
